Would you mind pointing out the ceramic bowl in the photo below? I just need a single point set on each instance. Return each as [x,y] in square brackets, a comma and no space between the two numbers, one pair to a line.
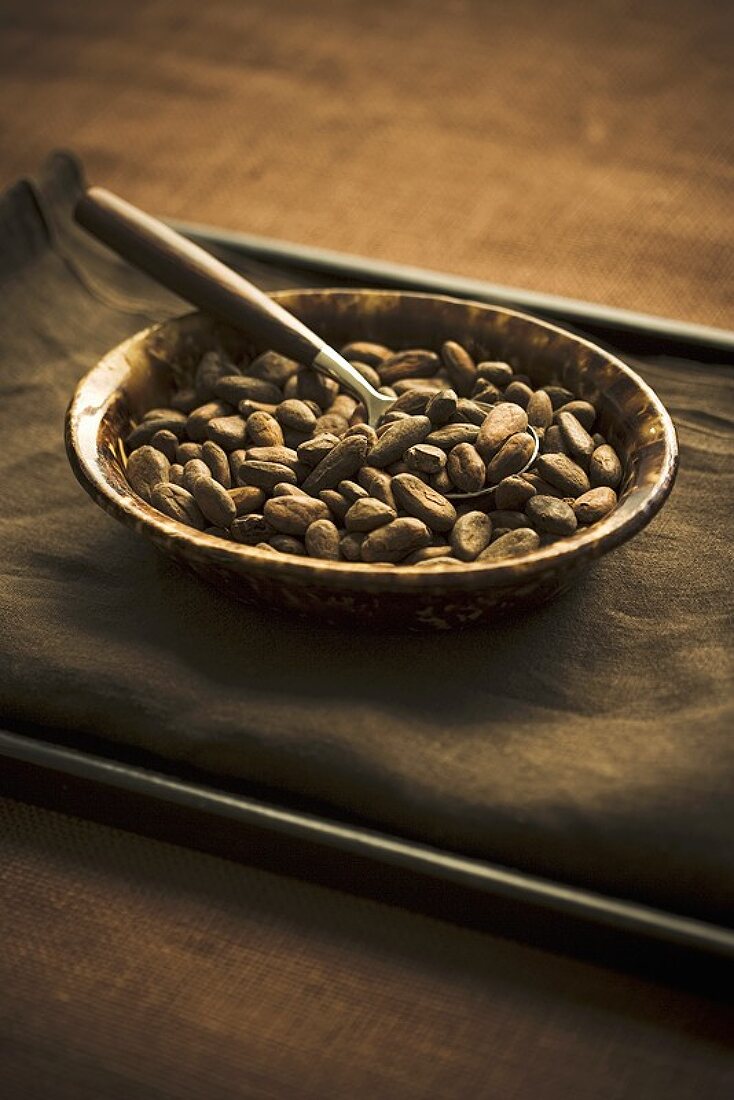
[139,374]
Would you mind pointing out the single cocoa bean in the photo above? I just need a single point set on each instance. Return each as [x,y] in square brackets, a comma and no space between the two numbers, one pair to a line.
[512,457]
[579,443]
[342,461]
[336,502]
[397,439]
[286,456]
[413,402]
[424,459]
[584,412]
[287,544]
[519,393]
[366,352]
[186,451]
[514,544]
[551,515]
[502,422]
[553,441]
[441,407]
[414,363]
[218,463]
[459,366]
[193,471]
[185,401]
[147,468]
[228,431]
[513,493]
[450,435]
[350,546]
[563,473]
[559,395]
[352,491]
[310,385]
[263,430]
[362,429]
[247,499]
[234,388]
[499,374]
[428,553]
[175,474]
[378,484]
[264,475]
[177,503]
[395,540]
[508,518]
[367,514]
[322,540]
[470,535]
[605,469]
[466,468]
[313,450]
[296,414]
[251,530]
[423,502]
[594,505]
[214,501]
[166,442]
[540,410]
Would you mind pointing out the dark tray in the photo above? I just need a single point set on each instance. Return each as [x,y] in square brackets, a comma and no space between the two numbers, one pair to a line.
[119,787]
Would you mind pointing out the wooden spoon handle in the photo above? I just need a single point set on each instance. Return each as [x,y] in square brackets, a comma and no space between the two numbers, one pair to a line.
[194,274]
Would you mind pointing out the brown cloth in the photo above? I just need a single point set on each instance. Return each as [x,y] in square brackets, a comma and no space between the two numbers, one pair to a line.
[589,741]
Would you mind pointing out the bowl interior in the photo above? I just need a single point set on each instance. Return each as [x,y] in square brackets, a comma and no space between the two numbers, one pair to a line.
[142,373]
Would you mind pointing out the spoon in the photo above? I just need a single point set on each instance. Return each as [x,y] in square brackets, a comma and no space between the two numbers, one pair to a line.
[196,276]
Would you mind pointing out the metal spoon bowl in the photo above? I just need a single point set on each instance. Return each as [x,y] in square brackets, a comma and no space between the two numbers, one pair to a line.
[206,282]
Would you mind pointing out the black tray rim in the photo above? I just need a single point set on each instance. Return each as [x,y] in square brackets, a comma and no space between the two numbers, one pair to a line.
[345,840]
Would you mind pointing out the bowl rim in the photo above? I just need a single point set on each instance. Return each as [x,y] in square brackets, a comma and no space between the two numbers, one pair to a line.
[95,391]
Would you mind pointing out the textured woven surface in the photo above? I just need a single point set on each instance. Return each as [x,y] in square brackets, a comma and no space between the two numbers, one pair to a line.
[131,968]
[583,149]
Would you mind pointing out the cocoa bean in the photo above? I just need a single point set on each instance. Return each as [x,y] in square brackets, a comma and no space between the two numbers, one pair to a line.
[247,499]
[343,460]
[213,365]
[519,393]
[175,474]
[166,442]
[286,456]
[428,553]
[146,468]
[193,471]
[512,545]
[264,475]
[367,514]
[441,407]
[509,519]
[350,546]
[214,501]
[422,458]
[551,515]
[322,540]
[553,441]
[499,374]
[470,535]
[177,503]
[198,420]
[395,540]
[564,474]
[594,505]
[234,388]
[414,363]
[513,493]
[540,410]
[579,443]
[459,366]
[296,414]
[287,544]
[423,502]
[251,530]
[218,463]
[605,469]
[263,430]
[450,435]
[512,457]
[559,395]
[145,432]
[584,412]
[366,352]
[186,451]
[378,484]
[399,437]
[228,431]
[273,368]
[352,491]
[313,450]
[503,421]
[293,515]
[466,468]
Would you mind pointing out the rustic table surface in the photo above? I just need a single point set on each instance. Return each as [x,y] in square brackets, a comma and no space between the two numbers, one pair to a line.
[579,149]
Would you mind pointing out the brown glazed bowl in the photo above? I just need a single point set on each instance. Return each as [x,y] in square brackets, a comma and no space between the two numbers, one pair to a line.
[139,374]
